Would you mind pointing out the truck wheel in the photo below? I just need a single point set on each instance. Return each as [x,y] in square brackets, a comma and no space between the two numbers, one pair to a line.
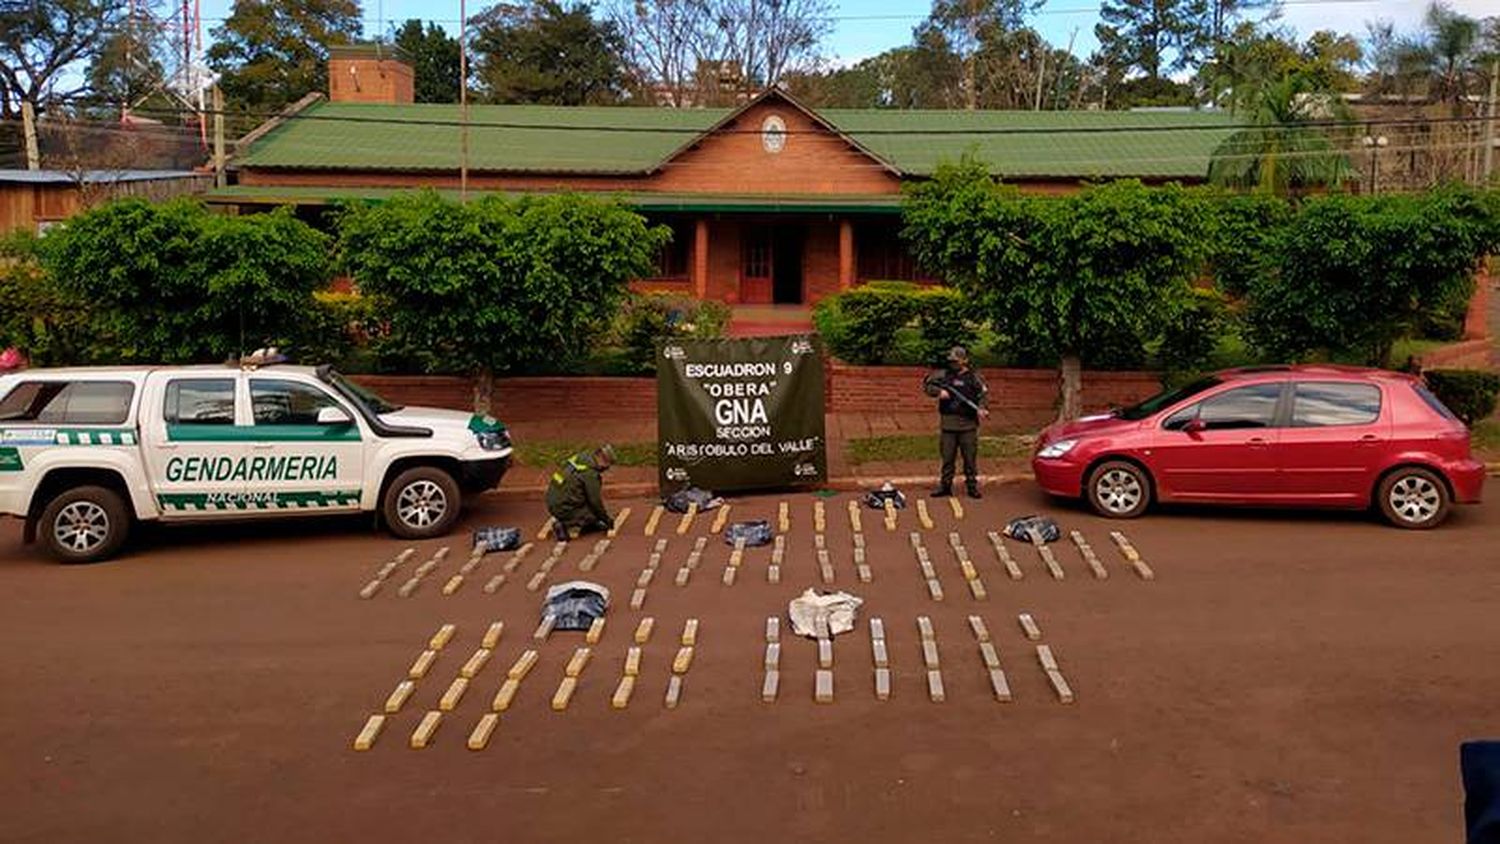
[1119,490]
[1413,498]
[421,503]
[85,524]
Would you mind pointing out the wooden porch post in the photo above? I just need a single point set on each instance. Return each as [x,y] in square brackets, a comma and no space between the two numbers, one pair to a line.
[700,259]
[846,254]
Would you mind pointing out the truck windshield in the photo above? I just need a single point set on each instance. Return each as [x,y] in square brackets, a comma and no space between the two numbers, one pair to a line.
[371,401]
[1166,399]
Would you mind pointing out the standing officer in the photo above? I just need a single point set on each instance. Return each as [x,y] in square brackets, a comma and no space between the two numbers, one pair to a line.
[961,395]
[575,495]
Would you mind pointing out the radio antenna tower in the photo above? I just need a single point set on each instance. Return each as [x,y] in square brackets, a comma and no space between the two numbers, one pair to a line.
[175,40]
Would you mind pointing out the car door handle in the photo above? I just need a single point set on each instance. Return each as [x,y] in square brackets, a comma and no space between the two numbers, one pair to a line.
[1256,442]
[263,446]
[1369,439]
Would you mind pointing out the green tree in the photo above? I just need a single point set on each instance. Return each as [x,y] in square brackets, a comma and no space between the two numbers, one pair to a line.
[1282,151]
[1252,55]
[45,322]
[548,53]
[1065,275]
[498,284]
[270,53]
[41,40]
[968,27]
[1245,229]
[128,66]
[1155,37]
[433,54]
[1352,274]
[176,283]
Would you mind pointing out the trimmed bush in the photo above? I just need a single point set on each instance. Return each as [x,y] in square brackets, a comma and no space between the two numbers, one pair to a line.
[895,322]
[647,318]
[1469,393]
[860,325]
[946,319]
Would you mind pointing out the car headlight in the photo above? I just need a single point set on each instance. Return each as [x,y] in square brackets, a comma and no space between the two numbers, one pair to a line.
[1057,449]
[492,440]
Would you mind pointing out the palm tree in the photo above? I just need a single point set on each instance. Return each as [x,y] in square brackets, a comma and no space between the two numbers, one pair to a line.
[1282,150]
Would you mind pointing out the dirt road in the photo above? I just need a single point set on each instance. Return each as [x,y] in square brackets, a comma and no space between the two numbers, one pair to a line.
[1286,678]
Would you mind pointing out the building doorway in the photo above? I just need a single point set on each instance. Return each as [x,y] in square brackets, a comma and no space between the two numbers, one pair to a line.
[786,274]
[771,265]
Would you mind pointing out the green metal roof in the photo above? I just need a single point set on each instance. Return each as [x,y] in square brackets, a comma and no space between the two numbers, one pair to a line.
[640,200]
[539,139]
[1055,144]
[622,140]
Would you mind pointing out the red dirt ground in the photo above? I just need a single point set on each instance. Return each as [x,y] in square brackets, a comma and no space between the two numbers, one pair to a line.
[1287,678]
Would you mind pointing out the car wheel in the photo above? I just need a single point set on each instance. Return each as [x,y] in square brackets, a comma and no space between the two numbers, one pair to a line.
[421,503]
[1413,498]
[85,525]
[1119,490]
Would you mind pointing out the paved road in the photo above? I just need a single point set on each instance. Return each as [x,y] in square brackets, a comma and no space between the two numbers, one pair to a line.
[1287,678]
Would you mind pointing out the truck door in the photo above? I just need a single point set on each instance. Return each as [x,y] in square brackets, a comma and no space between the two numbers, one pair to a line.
[307,450]
[195,446]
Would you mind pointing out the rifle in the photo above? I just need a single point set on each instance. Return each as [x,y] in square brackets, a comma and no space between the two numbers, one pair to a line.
[952,391]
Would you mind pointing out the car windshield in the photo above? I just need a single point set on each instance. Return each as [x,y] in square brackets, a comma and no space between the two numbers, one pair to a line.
[371,401]
[1162,400]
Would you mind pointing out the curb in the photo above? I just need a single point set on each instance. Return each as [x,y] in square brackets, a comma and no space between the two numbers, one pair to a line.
[844,483]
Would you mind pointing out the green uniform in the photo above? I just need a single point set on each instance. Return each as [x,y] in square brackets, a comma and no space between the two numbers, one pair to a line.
[959,422]
[575,495]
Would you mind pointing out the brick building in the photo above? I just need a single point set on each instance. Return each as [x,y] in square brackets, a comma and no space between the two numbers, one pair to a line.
[770,202]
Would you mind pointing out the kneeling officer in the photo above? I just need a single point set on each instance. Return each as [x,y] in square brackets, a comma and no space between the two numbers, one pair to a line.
[575,494]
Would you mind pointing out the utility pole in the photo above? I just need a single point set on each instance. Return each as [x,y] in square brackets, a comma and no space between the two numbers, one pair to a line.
[1489,126]
[463,101]
[28,127]
[1041,74]
[220,178]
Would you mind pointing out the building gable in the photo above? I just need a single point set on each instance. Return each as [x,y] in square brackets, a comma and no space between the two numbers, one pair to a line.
[774,145]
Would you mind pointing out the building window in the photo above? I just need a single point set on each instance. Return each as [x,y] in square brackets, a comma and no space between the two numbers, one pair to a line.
[69,402]
[882,256]
[673,259]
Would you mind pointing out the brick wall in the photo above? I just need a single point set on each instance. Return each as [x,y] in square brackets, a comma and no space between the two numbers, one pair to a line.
[1022,398]
[820,261]
[1468,354]
[526,399]
[1477,318]
[369,80]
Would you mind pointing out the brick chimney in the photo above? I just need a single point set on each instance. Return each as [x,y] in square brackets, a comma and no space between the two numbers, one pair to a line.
[368,73]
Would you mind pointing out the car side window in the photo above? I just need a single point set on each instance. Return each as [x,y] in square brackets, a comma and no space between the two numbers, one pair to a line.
[1317,404]
[1243,407]
[278,402]
[69,402]
[200,401]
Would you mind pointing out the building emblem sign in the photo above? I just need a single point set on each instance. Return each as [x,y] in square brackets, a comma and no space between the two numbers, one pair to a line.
[773,134]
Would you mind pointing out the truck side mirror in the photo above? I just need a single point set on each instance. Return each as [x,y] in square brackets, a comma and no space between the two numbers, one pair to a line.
[333,416]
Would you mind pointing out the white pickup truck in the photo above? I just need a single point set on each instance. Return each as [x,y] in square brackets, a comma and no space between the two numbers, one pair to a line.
[86,453]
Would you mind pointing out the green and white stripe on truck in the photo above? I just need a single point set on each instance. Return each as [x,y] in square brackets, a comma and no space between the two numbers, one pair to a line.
[95,436]
[186,502]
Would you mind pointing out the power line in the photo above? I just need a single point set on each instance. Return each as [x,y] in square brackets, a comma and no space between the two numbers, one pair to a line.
[695,131]
[841,18]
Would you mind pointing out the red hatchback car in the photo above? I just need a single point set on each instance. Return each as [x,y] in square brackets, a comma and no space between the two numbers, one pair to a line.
[1323,436]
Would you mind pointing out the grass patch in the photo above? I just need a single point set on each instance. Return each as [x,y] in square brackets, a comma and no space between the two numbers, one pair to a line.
[904,447]
[554,452]
[1484,439]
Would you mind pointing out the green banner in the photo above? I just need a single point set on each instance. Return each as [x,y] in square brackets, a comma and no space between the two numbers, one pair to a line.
[740,414]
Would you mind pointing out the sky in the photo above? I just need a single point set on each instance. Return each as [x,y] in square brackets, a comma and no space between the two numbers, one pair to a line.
[865,28]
